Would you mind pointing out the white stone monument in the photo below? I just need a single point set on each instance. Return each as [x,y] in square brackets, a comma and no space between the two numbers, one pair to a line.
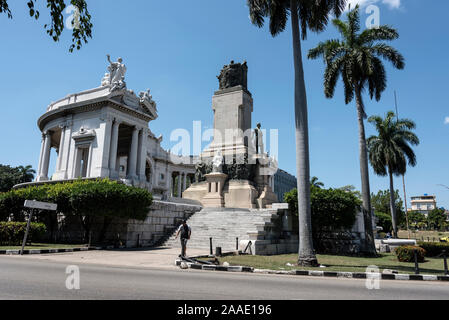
[104,133]
[241,147]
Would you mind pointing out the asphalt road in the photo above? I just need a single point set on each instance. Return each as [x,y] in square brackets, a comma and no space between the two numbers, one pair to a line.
[39,279]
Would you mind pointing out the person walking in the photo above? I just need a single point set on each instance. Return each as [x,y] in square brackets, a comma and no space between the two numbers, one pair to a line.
[185,231]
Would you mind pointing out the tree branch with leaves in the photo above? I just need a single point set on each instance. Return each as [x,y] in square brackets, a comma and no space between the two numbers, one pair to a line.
[81,25]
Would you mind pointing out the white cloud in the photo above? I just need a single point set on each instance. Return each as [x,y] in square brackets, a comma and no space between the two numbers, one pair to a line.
[392,4]
[446,121]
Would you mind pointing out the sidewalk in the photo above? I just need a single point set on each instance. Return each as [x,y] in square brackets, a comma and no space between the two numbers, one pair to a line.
[161,257]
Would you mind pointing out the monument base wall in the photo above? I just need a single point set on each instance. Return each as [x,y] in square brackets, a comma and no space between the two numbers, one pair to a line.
[240,194]
[162,220]
[196,191]
[236,194]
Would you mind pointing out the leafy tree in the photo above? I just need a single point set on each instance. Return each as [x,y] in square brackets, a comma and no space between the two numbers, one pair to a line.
[9,176]
[357,59]
[381,204]
[333,210]
[384,221]
[437,219]
[305,15]
[352,189]
[417,219]
[316,183]
[390,151]
[82,27]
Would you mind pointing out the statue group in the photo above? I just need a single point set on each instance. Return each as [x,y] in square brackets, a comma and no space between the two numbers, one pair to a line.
[116,76]
[232,75]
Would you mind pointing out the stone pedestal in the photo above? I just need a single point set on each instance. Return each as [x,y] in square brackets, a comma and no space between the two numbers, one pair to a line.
[240,194]
[232,121]
[196,191]
[214,198]
[267,198]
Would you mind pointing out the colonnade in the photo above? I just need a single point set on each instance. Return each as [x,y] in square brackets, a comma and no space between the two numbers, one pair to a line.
[178,186]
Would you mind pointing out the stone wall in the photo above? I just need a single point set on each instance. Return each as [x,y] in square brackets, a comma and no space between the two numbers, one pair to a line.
[275,237]
[270,247]
[268,241]
[162,220]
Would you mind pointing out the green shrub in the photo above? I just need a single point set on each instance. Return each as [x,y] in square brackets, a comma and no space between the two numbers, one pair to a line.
[82,197]
[434,249]
[12,233]
[407,253]
[332,209]
[86,199]
[334,212]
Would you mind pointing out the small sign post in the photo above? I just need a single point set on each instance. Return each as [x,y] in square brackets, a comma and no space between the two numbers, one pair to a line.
[35,205]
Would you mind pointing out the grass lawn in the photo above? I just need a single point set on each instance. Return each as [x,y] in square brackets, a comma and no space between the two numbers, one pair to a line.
[41,246]
[336,263]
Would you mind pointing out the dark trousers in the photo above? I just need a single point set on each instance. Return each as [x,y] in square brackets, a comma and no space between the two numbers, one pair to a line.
[183,246]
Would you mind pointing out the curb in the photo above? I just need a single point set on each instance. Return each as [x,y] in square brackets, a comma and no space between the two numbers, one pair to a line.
[49,251]
[357,275]
[327,274]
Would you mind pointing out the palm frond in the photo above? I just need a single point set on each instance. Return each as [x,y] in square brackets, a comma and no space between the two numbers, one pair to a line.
[331,75]
[383,33]
[258,9]
[390,54]
[278,12]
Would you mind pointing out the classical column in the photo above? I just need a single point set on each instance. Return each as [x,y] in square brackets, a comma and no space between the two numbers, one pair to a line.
[103,169]
[170,183]
[61,147]
[184,182]
[132,161]
[180,185]
[142,155]
[45,158]
[139,153]
[68,147]
[173,184]
[113,149]
[39,169]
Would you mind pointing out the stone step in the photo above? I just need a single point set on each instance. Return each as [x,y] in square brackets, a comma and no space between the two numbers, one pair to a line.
[225,225]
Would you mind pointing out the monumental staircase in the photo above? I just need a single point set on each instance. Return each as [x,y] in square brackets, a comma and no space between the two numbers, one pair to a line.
[224,225]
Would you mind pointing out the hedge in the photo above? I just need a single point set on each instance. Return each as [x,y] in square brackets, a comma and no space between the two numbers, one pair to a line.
[434,249]
[81,197]
[407,253]
[12,233]
[86,199]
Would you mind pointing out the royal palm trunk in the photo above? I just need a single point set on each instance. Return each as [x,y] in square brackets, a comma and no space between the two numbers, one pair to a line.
[393,206]
[364,172]
[307,255]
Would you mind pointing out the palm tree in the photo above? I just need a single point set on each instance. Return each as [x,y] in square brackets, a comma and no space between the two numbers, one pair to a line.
[390,150]
[305,15]
[358,59]
[26,174]
[316,183]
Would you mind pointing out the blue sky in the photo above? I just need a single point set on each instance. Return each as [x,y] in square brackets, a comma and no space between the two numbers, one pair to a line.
[177,48]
